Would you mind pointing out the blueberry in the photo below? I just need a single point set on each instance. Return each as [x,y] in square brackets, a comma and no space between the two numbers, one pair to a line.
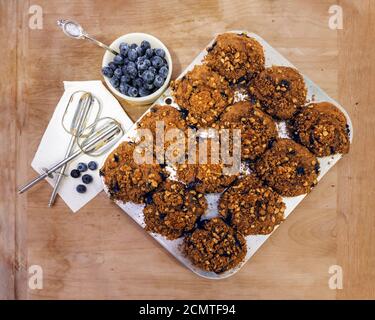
[81,188]
[157,62]
[124,87]
[149,53]
[133,46]
[132,55]
[138,82]
[82,167]
[118,59]
[126,60]
[153,70]
[132,71]
[160,53]
[112,65]
[115,82]
[143,92]
[300,170]
[149,86]
[75,173]
[133,92]
[158,82]
[124,48]
[145,45]
[132,63]
[143,65]
[118,72]
[163,72]
[184,113]
[125,78]
[86,179]
[140,51]
[92,165]
[148,76]
[108,72]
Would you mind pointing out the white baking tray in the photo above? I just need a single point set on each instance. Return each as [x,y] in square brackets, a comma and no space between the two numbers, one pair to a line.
[254,242]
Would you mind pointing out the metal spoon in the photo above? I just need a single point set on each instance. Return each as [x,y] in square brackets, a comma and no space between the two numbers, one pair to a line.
[74,30]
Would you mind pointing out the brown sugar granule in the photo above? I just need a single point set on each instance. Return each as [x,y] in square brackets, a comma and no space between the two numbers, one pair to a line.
[280,91]
[288,167]
[322,128]
[215,247]
[126,180]
[257,128]
[250,207]
[237,57]
[174,209]
[202,94]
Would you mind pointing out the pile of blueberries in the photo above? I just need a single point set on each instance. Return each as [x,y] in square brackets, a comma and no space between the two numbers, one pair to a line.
[86,178]
[137,71]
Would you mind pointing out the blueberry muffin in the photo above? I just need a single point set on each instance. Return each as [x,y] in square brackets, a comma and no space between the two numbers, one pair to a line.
[257,128]
[322,128]
[237,57]
[202,94]
[173,146]
[126,179]
[207,174]
[250,207]
[215,247]
[288,167]
[280,91]
[174,210]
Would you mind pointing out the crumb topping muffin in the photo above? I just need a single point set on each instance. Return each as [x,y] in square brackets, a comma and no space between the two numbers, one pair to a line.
[289,168]
[322,128]
[215,247]
[237,57]
[280,91]
[174,210]
[250,207]
[126,180]
[257,128]
[202,94]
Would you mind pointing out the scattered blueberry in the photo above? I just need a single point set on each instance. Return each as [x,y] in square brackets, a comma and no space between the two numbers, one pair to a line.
[86,179]
[163,72]
[132,92]
[160,52]
[158,81]
[118,59]
[92,165]
[82,167]
[132,55]
[81,188]
[108,72]
[75,173]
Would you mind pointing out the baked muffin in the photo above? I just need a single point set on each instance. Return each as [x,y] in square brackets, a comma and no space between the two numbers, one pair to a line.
[250,207]
[257,128]
[126,179]
[215,247]
[237,57]
[289,168]
[174,210]
[280,91]
[174,142]
[202,94]
[322,128]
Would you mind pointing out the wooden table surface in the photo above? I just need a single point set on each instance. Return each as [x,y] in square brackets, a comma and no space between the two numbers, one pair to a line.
[100,252]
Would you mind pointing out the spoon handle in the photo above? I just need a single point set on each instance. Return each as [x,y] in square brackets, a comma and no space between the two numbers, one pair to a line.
[100,44]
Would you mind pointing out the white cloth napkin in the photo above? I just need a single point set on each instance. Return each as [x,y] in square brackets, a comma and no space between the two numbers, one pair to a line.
[55,140]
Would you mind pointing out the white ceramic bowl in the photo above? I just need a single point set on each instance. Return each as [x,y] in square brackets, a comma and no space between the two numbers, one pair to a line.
[138,38]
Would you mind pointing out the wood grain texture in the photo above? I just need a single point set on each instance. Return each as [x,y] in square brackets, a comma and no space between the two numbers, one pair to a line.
[102,253]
